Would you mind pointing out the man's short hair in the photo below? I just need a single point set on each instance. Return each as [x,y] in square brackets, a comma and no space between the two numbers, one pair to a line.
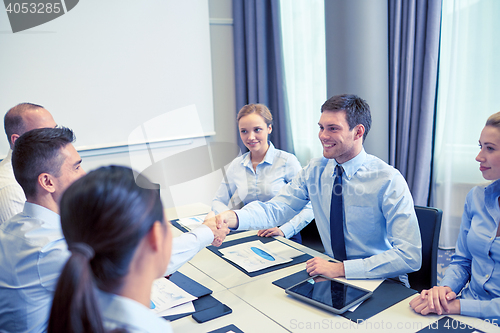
[13,121]
[357,111]
[36,152]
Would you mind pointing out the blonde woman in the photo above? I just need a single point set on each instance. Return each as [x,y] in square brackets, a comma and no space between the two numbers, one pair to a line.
[475,268]
[260,174]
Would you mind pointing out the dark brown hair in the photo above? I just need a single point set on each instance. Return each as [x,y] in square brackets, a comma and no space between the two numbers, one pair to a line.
[357,111]
[39,151]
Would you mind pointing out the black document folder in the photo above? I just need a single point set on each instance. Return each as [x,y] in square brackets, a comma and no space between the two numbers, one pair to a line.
[385,296]
[204,301]
[226,329]
[189,285]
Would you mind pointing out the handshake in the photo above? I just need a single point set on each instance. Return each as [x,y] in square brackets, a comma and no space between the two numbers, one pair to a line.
[220,225]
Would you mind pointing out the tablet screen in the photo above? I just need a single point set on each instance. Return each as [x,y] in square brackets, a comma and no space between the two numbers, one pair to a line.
[329,292]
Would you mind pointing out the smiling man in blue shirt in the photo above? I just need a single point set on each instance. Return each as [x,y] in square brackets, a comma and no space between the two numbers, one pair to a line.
[380,228]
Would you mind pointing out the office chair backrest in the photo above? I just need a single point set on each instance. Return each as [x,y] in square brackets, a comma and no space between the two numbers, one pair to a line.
[429,221]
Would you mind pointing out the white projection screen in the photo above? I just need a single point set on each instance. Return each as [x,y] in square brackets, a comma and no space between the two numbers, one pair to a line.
[108,66]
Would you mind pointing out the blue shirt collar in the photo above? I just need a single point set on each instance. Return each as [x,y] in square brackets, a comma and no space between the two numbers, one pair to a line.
[494,186]
[353,165]
[51,219]
[269,158]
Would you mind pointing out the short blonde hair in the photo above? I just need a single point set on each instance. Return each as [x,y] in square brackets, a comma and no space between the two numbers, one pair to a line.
[494,120]
[260,109]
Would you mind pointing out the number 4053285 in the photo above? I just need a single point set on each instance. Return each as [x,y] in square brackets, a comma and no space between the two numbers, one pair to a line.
[33,8]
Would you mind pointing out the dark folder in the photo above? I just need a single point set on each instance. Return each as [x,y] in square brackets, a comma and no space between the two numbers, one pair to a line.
[226,329]
[204,301]
[385,296]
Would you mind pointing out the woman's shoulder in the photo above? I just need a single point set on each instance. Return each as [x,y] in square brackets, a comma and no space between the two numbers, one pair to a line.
[480,191]
[286,156]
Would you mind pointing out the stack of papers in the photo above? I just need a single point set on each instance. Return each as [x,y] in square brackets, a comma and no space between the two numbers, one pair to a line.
[193,222]
[254,256]
[168,299]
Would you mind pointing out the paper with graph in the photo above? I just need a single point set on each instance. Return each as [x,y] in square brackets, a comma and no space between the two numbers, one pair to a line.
[254,256]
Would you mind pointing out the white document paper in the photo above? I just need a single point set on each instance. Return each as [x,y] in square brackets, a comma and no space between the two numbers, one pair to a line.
[369,284]
[179,309]
[283,249]
[166,294]
[253,256]
[192,222]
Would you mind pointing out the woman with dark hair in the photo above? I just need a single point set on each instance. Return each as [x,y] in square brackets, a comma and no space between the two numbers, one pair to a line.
[261,173]
[120,243]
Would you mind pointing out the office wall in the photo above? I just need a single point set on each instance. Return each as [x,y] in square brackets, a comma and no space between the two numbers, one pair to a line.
[106,73]
[357,61]
[200,189]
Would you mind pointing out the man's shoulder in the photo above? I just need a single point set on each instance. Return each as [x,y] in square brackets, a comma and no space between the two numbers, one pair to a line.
[373,163]
[10,188]
[318,162]
[7,174]
[316,166]
[29,230]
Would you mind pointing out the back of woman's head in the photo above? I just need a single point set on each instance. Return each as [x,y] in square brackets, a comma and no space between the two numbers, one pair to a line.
[104,216]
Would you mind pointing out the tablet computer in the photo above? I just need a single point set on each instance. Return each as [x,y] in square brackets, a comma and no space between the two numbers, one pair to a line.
[329,294]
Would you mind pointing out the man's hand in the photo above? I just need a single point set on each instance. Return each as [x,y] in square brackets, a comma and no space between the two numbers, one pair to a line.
[229,218]
[436,300]
[270,232]
[219,232]
[330,269]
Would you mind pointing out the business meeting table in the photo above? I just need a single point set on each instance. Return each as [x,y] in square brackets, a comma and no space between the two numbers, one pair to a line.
[260,306]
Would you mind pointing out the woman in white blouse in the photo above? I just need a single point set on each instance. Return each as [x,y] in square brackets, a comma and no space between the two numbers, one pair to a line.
[260,173]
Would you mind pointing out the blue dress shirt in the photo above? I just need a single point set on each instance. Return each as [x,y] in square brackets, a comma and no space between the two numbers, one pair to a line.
[382,236]
[477,255]
[32,254]
[121,312]
[187,245]
[276,170]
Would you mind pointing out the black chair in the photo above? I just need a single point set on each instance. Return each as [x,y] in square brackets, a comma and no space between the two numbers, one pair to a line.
[429,221]
[310,237]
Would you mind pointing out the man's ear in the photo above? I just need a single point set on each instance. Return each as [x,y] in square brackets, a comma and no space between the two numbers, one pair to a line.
[46,181]
[13,139]
[359,132]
